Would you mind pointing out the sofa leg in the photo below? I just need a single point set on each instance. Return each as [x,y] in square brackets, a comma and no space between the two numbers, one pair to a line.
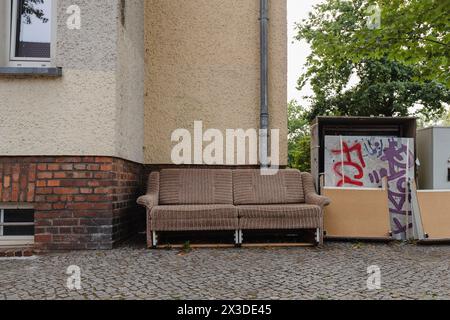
[149,241]
[241,237]
[154,239]
[318,237]
[238,238]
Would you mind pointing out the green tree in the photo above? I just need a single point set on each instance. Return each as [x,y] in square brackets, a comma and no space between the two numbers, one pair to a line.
[446,119]
[385,88]
[299,139]
[391,83]
[298,124]
[415,32]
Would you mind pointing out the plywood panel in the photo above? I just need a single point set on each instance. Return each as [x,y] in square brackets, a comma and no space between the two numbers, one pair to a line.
[435,212]
[357,213]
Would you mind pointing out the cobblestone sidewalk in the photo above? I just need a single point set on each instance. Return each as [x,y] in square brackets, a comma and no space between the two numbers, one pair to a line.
[336,271]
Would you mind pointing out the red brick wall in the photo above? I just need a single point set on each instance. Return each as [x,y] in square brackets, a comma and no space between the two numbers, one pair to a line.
[80,202]
[129,184]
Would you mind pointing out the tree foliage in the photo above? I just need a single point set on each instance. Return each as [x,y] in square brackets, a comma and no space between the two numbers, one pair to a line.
[395,73]
[413,32]
[446,121]
[299,138]
[385,88]
[29,9]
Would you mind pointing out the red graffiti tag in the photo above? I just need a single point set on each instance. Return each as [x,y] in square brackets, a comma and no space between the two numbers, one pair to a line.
[348,162]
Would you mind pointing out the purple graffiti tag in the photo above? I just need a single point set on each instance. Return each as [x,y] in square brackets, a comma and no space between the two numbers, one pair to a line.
[400,228]
[395,155]
[375,148]
[398,200]
[376,176]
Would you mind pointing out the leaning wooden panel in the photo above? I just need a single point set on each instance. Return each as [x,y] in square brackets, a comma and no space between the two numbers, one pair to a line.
[357,213]
[435,212]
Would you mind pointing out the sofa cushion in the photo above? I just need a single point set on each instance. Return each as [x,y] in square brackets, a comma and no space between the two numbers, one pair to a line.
[250,187]
[195,186]
[194,217]
[287,216]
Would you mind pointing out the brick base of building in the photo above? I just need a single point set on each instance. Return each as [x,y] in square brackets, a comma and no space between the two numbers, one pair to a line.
[79,202]
[16,253]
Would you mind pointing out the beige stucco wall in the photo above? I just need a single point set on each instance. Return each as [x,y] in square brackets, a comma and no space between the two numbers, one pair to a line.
[71,115]
[130,83]
[96,107]
[202,63]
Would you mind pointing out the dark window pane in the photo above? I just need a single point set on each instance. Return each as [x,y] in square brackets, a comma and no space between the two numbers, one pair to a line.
[18,231]
[19,216]
[33,29]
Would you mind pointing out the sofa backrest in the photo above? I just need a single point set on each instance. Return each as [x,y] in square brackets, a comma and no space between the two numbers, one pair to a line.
[250,187]
[195,186]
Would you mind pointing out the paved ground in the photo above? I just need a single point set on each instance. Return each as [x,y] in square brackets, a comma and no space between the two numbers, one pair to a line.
[337,271]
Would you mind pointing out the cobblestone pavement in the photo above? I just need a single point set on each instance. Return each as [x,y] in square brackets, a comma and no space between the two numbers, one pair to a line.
[336,271]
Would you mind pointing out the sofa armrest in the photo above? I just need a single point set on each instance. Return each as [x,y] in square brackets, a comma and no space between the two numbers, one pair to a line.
[148,201]
[151,199]
[311,196]
[317,200]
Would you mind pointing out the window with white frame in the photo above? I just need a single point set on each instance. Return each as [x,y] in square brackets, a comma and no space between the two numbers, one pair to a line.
[31,33]
[16,226]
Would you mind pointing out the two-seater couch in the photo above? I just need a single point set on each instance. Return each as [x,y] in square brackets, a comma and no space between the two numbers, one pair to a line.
[234,200]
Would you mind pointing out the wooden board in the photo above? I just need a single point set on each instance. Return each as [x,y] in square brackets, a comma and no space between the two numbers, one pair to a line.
[197,246]
[277,245]
[357,213]
[246,245]
[435,212]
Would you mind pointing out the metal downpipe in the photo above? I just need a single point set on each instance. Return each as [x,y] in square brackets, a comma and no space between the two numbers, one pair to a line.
[264,66]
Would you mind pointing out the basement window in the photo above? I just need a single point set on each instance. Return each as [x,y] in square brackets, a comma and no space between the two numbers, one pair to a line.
[31,33]
[16,226]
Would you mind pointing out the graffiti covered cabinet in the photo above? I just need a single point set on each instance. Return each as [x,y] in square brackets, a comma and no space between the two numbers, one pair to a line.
[363,162]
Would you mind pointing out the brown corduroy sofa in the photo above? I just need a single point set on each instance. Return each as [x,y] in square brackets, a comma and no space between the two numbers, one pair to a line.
[234,200]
